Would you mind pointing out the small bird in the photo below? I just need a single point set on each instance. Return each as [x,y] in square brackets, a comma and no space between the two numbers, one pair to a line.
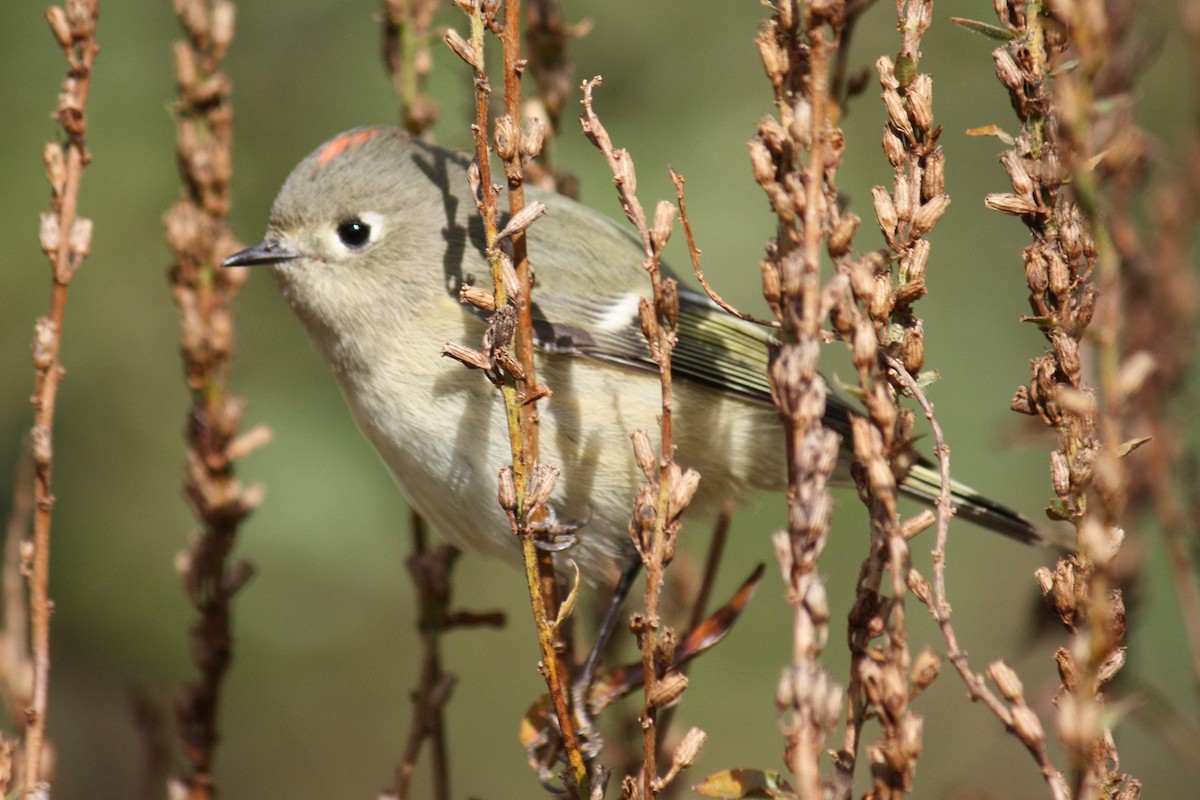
[371,239]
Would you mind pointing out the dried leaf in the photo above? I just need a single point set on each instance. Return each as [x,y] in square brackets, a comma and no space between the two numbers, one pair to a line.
[731,784]
[992,130]
[983,29]
[1133,444]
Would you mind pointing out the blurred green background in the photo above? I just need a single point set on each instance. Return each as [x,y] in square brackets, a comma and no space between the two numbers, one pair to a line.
[317,703]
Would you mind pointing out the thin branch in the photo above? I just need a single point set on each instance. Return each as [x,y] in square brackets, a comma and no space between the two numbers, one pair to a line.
[66,239]
[1024,723]
[668,489]
[199,238]
[526,485]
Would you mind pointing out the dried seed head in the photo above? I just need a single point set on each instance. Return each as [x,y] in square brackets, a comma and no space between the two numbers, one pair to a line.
[664,223]
[885,212]
[643,453]
[933,178]
[843,234]
[912,351]
[535,136]
[689,749]
[920,102]
[772,288]
[883,300]
[925,669]
[667,690]
[914,262]
[462,49]
[59,25]
[762,163]
[801,125]
[522,220]
[224,14]
[647,320]
[1010,203]
[862,280]
[1007,681]
[897,115]
[774,57]
[928,215]
[477,296]
[1060,474]
[507,136]
[1007,70]
[683,489]
[887,73]
[507,489]
[56,167]
[1057,272]
[893,147]
[508,276]
[1014,165]
[48,233]
[186,69]
[816,603]
[904,197]
[1067,351]
[1111,665]
[1071,235]
[1037,273]
[773,135]
[670,302]
[539,489]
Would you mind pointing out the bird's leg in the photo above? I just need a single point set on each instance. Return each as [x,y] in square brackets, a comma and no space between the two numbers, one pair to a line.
[582,685]
[554,536]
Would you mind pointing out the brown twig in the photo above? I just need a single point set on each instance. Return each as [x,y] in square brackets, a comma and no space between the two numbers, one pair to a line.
[1072,137]
[526,485]
[694,252]
[794,158]
[668,489]
[66,239]
[1020,719]
[199,239]
[430,569]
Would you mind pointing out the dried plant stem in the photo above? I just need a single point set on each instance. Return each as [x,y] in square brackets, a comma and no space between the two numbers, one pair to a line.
[431,577]
[527,484]
[668,489]
[1020,719]
[430,569]
[794,159]
[547,35]
[66,239]
[406,28]
[199,239]
[1073,272]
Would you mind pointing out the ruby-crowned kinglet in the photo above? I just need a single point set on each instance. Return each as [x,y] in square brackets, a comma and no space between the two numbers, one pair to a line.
[371,239]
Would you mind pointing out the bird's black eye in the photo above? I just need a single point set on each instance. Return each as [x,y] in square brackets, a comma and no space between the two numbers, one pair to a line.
[354,233]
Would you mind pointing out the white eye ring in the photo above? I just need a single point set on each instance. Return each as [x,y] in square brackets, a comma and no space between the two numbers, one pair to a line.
[359,231]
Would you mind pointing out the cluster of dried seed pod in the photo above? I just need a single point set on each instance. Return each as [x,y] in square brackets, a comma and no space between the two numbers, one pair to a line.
[199,239]
[1064,148]
[909,211]
[795,158]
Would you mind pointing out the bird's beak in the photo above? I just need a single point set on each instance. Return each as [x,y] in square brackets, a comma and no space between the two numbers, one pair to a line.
[265,252]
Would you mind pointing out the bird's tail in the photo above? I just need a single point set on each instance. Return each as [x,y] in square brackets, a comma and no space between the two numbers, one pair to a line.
[924,483]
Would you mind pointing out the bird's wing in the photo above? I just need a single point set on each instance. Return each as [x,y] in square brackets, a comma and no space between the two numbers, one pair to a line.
[714,349]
